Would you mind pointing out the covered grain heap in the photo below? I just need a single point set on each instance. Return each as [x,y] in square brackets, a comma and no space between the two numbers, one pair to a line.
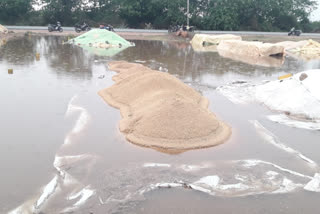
[254,53]
[208,43]
[298,95]
[160,111]
[306,49]
[3,29]
[250,49]
[101,42]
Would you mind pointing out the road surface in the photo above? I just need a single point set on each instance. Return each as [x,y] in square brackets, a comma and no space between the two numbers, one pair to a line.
[165,31]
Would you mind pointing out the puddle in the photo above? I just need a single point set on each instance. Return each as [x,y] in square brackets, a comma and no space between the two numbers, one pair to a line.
[61,149]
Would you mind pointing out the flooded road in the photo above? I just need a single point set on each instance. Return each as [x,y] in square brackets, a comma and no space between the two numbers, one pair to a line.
[61,150]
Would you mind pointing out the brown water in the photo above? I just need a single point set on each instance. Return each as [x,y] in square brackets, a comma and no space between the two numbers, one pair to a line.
[50,108]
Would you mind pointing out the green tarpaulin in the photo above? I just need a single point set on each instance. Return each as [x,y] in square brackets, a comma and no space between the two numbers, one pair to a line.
[101,42]
[100,36]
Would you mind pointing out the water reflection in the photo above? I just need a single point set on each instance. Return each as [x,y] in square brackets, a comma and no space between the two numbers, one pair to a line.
[266,61]
[108,52]
[34,99]
[18,51]
[200,48]
[62,59]
[180,59]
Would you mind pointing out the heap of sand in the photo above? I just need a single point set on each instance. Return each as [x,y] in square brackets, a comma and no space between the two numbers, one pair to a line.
[160,111]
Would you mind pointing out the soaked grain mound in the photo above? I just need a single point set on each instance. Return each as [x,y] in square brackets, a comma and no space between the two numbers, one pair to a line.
[126,69]
[160,111]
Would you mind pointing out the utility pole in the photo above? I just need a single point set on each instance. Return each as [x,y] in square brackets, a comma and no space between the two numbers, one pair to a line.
[188,13]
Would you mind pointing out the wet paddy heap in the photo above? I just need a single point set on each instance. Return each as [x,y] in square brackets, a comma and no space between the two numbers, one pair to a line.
[62,152]
[160,111]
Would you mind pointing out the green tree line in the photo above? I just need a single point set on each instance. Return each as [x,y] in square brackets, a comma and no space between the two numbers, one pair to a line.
[257,15]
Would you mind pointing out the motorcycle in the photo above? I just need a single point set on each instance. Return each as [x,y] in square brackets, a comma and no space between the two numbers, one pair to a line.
[55,27]
[176,28]
[107,27]
[294,32]
[84,27]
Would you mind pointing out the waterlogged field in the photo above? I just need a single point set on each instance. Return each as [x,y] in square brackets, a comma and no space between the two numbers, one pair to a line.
[61,150]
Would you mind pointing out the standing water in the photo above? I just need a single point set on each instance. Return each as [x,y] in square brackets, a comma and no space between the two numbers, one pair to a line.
[61,150]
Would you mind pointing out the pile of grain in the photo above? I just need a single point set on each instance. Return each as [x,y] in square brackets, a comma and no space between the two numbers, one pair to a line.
[160,111]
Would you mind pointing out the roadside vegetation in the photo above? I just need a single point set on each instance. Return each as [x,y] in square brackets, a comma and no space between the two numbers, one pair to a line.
[252,15]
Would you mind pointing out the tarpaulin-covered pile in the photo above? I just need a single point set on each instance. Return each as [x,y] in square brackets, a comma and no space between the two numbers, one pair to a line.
[101,42]
[204,42]
[297,98]
[298,95]
[3,29]
[289,45]
[306,49]
[265,61]
[101,38]
[254,53]
[250,49]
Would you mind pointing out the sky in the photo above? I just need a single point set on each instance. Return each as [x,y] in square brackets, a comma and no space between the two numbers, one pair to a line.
[315,15]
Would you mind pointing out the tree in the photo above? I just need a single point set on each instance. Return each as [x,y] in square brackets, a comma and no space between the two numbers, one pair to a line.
[137,12]
[221,15]
[61,10]
[13,11]
[259,15]
[103,11]
[269,14]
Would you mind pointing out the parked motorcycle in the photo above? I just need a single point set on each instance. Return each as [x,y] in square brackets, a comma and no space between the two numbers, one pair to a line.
[84,27]
[177,28]
[294,32]
[107,27]
[55,27]
[174,28]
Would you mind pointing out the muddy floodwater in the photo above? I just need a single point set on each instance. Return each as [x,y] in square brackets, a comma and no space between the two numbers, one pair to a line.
[61,150]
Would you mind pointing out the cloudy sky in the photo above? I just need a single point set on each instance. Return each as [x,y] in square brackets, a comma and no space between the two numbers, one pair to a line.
[315,16]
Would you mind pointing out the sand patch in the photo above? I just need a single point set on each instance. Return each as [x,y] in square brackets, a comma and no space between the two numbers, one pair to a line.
[160,111]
